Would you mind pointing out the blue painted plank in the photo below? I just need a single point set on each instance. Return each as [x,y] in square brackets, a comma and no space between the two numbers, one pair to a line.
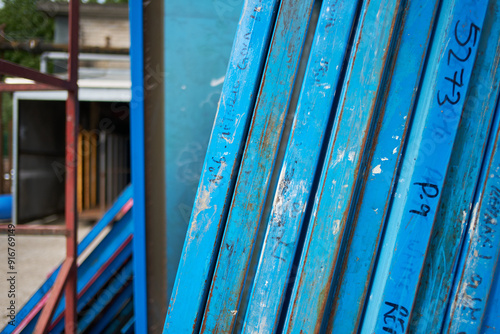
[104,278]
[128,328]
[425,163]
[47,285]
[299,164]
[356,113]
[107,218]
[99,256]
[120,231]
[460,184]
[378,180]
[92,291]
[116,288]
[256,166]
[118,321]
[481,250]
[112,310]
[220,167]
[137,163]
[491,321]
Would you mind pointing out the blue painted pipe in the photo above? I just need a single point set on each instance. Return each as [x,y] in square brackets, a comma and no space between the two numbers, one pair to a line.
[6,206]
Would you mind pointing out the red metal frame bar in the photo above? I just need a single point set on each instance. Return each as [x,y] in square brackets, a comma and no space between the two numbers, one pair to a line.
[36,230]
[20,327]
[48,311]
[9,68]
[25,87]
[68,275]
[72,118]
[125,209]
[70,207]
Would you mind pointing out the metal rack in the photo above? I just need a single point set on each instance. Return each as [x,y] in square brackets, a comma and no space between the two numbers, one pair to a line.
[67,278]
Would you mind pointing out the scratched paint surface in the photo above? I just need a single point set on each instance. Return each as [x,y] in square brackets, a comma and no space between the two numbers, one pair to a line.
[434,156]
[256,166]
[371,210]
[481,250]
[461,179]
[491,321]
[220,166]
[336,189]
[425,164]
[299,165]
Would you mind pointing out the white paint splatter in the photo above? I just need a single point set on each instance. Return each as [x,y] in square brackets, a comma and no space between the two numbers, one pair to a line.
[384,159]
[376,170]
[351,156]
[340,157]
[395,150]
[336,226]
[217,82]
[202,203]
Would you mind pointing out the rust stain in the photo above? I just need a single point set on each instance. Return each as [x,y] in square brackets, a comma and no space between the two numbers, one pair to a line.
[207,308]
[265,139]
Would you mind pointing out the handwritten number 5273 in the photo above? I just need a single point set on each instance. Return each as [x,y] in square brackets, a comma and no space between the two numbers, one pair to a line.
[455,83]
[473,30]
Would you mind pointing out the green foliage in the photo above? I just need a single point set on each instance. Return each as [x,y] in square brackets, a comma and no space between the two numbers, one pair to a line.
[23,22]
[6,108]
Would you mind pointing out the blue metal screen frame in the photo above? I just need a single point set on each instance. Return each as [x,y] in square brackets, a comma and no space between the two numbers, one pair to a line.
[137,164]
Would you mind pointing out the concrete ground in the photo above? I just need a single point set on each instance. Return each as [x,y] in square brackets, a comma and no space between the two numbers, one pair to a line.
[35,259]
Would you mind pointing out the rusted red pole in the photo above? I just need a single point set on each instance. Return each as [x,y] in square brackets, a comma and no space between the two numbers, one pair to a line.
[72,116]
[68,276]
[26,87]
[48,311]
[36,230]
[28,73]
